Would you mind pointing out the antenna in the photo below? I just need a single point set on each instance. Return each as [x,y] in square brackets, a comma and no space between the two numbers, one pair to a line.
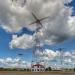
[73,58]
[20,3]
[20,59]
[38,48]
[61,57]
[38,21]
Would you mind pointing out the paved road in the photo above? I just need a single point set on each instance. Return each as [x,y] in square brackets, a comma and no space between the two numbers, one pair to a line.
[45,73]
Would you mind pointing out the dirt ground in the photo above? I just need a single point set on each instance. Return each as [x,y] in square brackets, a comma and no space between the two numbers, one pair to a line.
[29,73]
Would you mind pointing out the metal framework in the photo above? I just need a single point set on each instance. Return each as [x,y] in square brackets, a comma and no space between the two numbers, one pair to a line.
[38,48]
[20,59]
[20,2]
[61,57]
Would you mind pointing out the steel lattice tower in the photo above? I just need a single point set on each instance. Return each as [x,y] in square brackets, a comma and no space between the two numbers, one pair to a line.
[38,49]
[61,57]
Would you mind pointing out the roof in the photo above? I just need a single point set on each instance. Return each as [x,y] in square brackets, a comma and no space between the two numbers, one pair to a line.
[38,65]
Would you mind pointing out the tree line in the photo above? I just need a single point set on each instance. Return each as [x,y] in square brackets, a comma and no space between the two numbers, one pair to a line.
[28,69]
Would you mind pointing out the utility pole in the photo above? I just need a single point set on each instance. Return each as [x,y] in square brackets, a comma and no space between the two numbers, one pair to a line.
[20,59]
[61,57]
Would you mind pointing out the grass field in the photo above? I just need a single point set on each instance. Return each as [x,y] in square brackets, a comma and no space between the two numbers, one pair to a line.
[29,73]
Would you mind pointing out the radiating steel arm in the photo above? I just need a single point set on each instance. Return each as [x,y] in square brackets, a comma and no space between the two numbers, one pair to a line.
[38,21]
[20,54]
[44,18]
[33,22]
[34,16]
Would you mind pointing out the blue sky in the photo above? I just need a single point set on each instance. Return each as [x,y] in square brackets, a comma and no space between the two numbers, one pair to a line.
[5,51]
[73,5]
[5,38]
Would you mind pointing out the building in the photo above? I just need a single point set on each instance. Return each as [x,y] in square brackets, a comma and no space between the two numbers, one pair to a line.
[37,68]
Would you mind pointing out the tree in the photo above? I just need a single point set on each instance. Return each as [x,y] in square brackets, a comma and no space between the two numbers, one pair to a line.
[48,69]
[74,69]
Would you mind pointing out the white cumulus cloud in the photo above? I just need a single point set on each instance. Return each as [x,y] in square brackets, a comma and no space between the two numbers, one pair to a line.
[56,28]
[24,41]
[14,63]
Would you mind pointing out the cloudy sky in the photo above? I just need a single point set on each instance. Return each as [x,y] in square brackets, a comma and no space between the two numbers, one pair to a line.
[17,36]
